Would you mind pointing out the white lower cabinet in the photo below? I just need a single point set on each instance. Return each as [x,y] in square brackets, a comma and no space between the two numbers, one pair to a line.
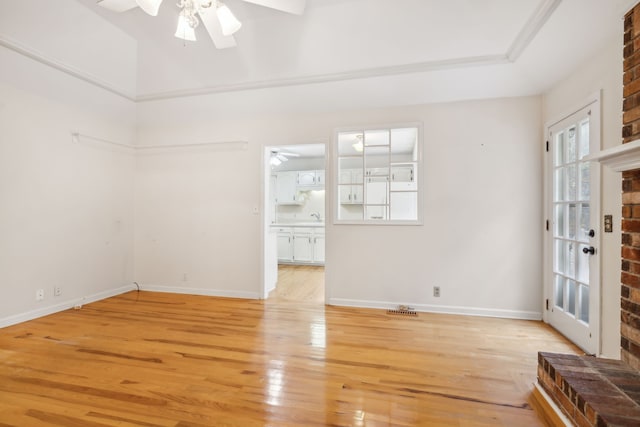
[318,247]
[301,245]
[285,248]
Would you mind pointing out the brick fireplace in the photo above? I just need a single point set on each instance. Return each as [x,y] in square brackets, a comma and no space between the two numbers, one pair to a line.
[601,392]
[630,277]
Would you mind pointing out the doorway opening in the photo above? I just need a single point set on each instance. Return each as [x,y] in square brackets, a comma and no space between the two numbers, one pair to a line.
[295,214]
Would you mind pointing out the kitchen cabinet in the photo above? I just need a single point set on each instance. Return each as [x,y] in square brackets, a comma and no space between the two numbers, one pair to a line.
[285,248]
[377,206]
[301,245]
[351,186]
[318,246]
[403,178]
[287,188]
[404,192]
[311,180]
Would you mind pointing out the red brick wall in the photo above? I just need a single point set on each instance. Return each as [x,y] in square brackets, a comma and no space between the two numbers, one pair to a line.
[630,277]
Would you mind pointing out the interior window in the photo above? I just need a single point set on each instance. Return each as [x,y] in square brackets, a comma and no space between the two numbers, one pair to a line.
[377,175]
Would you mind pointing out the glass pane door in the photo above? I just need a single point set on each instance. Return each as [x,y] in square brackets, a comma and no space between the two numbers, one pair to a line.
[572,221]
[573,230]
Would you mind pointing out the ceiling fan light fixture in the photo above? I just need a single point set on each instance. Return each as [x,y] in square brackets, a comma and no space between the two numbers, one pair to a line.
[228,22]
[275,161]
[149,6]
[185,31]
[358,145]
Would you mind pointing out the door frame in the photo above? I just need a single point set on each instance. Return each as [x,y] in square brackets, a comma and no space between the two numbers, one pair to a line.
[265,226]
[595,292]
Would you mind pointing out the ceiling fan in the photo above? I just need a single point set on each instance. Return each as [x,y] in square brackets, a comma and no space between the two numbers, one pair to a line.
[214,14]
[278,157]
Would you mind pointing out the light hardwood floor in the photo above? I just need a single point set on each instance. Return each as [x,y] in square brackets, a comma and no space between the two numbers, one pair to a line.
[299,284]
[153,359]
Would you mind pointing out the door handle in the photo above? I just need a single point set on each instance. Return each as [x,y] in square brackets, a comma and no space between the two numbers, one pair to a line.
[590,250]
[592,233]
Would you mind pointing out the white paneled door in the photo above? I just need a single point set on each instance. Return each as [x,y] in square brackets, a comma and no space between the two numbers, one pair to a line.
[573,294]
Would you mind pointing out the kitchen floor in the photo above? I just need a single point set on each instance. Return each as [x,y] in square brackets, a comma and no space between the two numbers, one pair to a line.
[299,284]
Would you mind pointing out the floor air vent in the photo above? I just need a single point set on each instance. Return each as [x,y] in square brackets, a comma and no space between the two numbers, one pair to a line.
[403,310]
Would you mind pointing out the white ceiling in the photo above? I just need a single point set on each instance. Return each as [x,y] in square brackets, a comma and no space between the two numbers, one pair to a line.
[351,39]
[339,54]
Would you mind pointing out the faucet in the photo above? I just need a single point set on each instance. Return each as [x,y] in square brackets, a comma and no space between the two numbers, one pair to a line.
[316,215]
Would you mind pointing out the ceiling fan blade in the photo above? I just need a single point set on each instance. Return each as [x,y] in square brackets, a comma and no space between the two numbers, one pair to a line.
[295,7]
[285,153]
[149,6]
[118,5]
[211,23]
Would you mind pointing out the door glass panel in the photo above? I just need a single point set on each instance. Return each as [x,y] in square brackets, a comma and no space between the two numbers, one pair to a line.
[571,145]
[558,188]
[559,292]
[584,138]
[584,304]
[559,151]
[585,188]
[559,261]
[571,297]
[560,220]
[571,183]
[570,259]
[571,220]
[585,222]
[583,266]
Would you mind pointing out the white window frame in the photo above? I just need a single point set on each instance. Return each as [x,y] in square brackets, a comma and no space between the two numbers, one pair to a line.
[419,175]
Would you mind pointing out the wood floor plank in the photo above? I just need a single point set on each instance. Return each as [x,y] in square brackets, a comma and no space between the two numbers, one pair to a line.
[154,359]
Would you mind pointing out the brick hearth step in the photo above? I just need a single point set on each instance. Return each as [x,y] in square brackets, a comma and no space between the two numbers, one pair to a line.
[591,391]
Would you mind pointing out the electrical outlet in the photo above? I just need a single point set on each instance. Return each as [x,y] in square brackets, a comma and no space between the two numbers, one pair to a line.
[436,291]
[39,294]
[57,291]
[185,278]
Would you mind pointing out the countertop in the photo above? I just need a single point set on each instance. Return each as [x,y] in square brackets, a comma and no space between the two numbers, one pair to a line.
[298,224]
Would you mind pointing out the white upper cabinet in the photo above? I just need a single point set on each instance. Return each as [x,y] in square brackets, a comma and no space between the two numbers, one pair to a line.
[311,180]
[306,178]
[351,186]
[287,188]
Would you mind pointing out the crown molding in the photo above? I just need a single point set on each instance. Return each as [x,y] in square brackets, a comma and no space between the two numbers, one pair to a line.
[420,67]
[535,23]
[38,56]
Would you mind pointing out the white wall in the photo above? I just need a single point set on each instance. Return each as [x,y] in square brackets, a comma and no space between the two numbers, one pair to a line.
[602,73]
[68,35]
[195,226]
[481,241]
[66,208]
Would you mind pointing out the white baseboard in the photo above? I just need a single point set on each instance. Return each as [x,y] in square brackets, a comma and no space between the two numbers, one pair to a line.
[51,309]
[443,309]
[201,291]
[552,412]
